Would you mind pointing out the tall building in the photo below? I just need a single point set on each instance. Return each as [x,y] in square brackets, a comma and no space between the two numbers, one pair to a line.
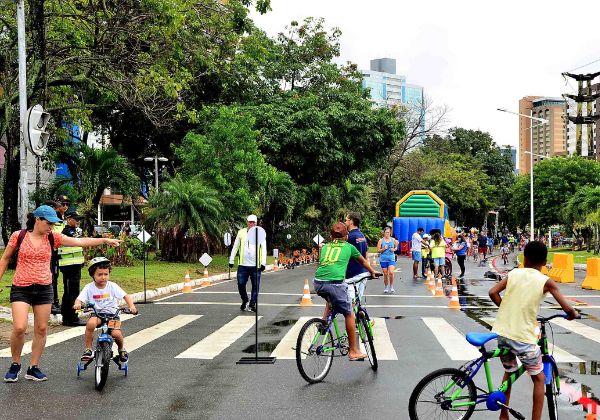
[512,153]
[548,139]
[388,88]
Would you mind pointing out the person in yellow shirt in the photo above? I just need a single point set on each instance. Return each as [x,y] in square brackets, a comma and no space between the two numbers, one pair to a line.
[516,320]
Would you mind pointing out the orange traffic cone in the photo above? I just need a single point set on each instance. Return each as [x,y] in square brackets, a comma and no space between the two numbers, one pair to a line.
[306,299]
[591,416]
[454,303]
[205,282]
[439,290]
[275,265]
[430,282]
[187,284]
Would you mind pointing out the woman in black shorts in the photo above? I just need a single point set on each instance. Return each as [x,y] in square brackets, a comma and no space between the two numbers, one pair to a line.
[32,284]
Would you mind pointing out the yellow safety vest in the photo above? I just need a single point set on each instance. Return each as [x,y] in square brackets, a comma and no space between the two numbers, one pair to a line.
[69,255]
[242,234]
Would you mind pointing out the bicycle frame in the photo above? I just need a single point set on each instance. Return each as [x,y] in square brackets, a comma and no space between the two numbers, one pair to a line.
[473,367]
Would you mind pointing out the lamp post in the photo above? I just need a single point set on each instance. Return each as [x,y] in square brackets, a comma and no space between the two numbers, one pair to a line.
[541,121]
[156,158]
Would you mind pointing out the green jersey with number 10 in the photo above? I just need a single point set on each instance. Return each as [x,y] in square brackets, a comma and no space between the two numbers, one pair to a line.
[334,260]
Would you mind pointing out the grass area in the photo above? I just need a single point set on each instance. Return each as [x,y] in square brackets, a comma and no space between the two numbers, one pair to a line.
[580,257]
[131,279]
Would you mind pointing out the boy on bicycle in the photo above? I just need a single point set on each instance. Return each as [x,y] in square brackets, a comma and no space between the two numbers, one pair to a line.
[329,281]
[105,295]
[516,320]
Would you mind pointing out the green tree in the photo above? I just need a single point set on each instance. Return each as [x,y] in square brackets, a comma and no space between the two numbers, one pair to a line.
[190,218]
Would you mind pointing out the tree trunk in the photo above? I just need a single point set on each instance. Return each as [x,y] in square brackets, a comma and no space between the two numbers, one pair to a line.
[10,215]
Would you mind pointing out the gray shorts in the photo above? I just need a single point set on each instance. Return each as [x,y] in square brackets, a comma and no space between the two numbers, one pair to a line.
[529,354]
[336,293]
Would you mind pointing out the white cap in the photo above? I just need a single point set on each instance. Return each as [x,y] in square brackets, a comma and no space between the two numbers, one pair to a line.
[252,218]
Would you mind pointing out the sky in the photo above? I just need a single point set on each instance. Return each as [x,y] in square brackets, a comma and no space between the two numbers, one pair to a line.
[473,56]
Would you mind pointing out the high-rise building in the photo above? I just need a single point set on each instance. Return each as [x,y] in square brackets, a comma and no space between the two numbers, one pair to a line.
[512,153]
[548,139]
[388,88]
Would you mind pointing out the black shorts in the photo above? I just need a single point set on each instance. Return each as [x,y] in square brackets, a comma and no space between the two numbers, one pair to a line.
[36,294]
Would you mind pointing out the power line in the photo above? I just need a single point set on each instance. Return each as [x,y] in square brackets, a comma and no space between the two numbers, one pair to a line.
[585,65]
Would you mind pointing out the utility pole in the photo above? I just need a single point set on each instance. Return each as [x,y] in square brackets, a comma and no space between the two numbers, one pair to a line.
[23,188]
[584,96]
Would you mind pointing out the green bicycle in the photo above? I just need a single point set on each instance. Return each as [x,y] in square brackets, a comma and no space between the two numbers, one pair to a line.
[452,393]
[319,339]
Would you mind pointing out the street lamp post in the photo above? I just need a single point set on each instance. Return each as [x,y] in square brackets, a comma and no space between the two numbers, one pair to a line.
[541,121]
[156,158]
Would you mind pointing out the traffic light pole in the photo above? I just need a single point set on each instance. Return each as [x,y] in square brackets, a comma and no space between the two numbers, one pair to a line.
[23,188]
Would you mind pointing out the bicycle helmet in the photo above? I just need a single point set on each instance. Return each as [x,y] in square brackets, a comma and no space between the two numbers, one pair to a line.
[96,261]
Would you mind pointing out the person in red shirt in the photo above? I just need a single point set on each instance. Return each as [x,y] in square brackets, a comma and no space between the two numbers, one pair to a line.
[32,284]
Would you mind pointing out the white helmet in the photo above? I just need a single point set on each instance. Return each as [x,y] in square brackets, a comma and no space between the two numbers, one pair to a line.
[94,262]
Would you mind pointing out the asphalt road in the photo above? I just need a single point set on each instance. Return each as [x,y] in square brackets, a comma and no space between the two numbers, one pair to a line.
[183,364]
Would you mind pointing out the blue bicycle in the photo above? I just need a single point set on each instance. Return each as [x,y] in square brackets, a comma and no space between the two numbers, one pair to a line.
[103,353]
[452,393]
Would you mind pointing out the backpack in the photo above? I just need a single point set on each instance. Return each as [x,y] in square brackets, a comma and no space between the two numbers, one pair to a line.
[53,262]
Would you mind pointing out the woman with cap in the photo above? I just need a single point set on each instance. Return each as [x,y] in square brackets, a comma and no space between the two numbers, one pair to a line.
[32,284]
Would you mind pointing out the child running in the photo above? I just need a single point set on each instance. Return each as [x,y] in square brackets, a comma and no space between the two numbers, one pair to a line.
[105,295]
[516,320]
[329,281]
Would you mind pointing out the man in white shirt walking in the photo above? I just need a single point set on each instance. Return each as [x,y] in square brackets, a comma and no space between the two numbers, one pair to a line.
[415,249]
[248,266]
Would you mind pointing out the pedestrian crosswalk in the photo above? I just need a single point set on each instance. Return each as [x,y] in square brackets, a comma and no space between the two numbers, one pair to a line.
[233,335]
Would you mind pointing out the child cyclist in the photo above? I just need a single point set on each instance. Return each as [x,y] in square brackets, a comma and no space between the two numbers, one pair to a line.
[104,294]
[516,320]
[329,281]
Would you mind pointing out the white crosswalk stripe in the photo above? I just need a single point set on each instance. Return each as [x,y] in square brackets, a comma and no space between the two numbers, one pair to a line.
[285,348]
[384,349]
[215,343]
[560,355]
[56,338]
[451,340]
[578,328]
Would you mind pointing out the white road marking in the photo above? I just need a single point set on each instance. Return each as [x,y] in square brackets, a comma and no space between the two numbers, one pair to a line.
[383,344]
[451,340]
[140,338]
[215,343]
[560,355]
[284,349]
[579,328]
[57,338]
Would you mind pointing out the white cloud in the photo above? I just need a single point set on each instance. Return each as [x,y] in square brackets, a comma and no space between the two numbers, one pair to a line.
[474,56]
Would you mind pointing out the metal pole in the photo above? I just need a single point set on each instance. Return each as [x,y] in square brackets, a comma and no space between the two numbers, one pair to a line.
[24,193]
[145,257]
[156,172]
[257,289]
[531,234]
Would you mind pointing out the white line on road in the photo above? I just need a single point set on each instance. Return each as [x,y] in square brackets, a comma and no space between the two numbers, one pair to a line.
[579,328]
[451,340]
[384,349]
[140,338]
[284,349]
[215,343]
[56,338]
[560,355]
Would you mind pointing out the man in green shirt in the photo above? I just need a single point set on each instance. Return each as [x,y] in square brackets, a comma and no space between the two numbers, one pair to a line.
[329,281]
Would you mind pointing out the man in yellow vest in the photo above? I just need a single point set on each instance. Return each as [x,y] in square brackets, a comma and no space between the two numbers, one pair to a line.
[61,205]
[247,263]
[70,263]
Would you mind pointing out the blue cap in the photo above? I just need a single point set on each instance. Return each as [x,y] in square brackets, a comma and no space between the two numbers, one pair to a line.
[47,213]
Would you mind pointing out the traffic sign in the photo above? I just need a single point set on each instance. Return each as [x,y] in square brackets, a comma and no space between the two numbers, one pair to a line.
[275,253]
[227,239]
[205,259]
[144,236]
[318,239]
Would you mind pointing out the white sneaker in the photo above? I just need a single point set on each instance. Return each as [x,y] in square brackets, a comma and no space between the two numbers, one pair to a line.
[386,290]
[391,290]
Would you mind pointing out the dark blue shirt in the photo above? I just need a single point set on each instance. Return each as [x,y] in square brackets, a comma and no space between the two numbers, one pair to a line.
[356,238]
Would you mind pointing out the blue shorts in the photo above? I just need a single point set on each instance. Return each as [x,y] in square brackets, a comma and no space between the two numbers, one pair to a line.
[439,261]
[416,256]
[386,264]
[336,292]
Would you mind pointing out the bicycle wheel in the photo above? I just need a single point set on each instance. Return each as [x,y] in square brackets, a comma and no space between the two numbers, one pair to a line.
[427,399]
[312,359]
[103,356]
[551,395]
[366,339]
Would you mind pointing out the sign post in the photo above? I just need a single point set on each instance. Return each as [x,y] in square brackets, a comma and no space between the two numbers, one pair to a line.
[144,237]
[227,242]
[256,236]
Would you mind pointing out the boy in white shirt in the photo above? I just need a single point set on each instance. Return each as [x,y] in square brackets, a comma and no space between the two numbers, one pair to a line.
[105,295]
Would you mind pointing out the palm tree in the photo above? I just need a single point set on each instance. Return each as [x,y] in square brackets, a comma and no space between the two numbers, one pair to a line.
[190,218]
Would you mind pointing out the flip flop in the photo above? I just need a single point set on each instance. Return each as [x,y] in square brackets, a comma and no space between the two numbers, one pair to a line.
[356,359]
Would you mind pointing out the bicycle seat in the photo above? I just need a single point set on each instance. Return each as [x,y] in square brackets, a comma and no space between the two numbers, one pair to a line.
[479,339]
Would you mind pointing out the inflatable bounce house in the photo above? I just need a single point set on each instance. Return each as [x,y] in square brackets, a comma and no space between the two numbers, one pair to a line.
[420,208]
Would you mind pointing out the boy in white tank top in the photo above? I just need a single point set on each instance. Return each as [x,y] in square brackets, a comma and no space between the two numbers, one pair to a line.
[516,320]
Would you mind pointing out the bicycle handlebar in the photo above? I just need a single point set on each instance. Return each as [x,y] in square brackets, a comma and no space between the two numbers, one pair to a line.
[90,307]
[359,278]
[547,319]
